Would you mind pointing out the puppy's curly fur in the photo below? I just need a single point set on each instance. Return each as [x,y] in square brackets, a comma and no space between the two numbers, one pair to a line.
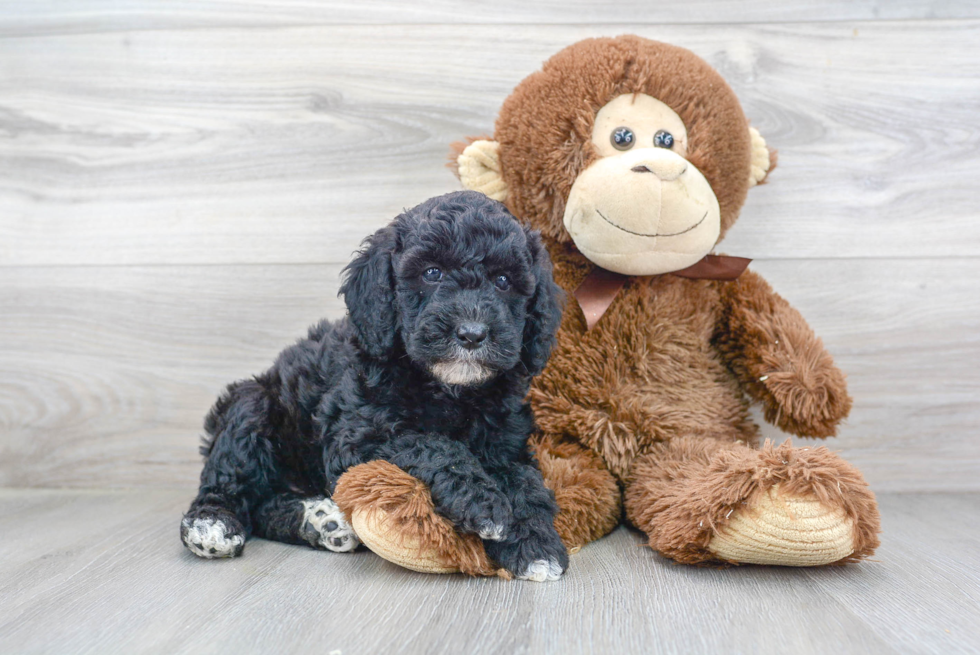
[451,311]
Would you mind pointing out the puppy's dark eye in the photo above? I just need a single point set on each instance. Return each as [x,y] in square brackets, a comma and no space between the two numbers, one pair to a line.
[622,138]
[663,139]
[432,274]
[502,282]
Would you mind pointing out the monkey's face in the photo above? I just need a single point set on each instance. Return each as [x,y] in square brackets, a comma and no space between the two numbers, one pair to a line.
[636,152]
[641,208]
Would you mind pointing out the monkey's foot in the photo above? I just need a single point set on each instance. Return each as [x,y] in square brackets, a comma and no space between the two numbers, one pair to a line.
[703,501]
[393,515]
[785,530]
[380,535]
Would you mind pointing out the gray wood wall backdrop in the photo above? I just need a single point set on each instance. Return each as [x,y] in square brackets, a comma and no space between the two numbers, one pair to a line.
[181,183]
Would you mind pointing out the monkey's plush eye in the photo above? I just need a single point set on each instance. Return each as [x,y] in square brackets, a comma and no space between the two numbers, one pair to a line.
[502,282]
[622,138]
[663,139]
[432,274]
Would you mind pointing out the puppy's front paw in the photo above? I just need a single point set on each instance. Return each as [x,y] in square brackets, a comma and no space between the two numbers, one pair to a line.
[541,570]
[212,537]
[324,526]
[491,519]
[491,531]
[534,552]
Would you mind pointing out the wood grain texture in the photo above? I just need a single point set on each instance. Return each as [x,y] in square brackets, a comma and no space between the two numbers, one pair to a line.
[181,183]
[288,145]
[141,355]
[106,372]
[97,572]
[36,17]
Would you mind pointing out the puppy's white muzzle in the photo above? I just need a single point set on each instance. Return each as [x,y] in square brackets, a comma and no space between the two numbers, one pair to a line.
[461,371]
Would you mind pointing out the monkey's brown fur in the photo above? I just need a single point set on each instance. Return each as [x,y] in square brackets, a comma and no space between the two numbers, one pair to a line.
[652,404]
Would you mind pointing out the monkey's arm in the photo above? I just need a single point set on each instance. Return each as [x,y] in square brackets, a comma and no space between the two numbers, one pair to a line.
[779,360]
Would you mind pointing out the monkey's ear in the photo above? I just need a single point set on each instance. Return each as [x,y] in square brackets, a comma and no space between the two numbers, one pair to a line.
[479,169]
[763,159]
[369,291]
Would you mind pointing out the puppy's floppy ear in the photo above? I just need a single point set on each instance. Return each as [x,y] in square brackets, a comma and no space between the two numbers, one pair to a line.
[369,291]
[543,311]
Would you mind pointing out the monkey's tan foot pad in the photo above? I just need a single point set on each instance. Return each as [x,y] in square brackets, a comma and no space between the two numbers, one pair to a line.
[393,515]
[375,531]
[783,530]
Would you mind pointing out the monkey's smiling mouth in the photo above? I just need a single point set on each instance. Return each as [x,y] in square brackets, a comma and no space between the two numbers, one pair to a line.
[640,234]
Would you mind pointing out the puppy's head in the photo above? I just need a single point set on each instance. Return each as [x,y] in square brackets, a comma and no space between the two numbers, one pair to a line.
[459,286]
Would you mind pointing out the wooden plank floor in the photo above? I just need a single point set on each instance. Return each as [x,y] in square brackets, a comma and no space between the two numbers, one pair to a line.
[103,572]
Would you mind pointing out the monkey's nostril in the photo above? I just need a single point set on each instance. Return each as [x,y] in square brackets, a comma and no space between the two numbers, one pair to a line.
[471,335]
[666,171]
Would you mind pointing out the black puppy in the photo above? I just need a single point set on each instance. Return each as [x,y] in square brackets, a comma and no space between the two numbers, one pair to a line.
[451,310]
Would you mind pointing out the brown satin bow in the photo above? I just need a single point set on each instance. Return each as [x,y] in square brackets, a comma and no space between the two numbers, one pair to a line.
[600,287]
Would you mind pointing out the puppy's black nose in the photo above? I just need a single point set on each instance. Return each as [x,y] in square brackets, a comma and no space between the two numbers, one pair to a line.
[471,335]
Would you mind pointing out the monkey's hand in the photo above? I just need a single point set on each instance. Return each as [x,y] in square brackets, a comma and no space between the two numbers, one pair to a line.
[779,360]
[805,394]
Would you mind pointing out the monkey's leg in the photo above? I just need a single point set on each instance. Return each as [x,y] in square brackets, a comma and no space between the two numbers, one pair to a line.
[394,516]
[708,501]
[589,499]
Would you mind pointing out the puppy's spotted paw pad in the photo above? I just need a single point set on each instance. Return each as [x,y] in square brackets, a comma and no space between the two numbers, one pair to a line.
[325,526]
[210,538]
[542,571]
[491,531]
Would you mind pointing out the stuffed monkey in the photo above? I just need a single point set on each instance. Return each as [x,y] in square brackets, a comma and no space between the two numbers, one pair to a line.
[633,159]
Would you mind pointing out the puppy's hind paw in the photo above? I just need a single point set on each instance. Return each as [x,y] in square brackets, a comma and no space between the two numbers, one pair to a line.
[491,531]
[541,570]
[211,538]
[325,526]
